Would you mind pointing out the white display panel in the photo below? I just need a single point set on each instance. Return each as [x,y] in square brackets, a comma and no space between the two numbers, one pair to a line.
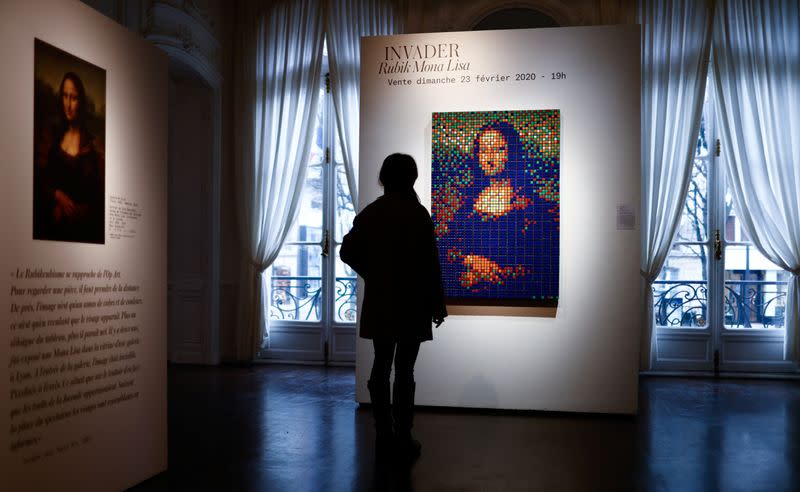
[83,326]
[585,358]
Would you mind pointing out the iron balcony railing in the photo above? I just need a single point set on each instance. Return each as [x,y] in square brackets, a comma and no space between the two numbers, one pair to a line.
[300,298]
[747,303]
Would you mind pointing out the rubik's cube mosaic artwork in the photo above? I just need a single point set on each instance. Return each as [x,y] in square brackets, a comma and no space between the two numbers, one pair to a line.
[495,205]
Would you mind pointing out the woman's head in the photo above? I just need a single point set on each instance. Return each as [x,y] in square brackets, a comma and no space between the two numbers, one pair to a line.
[398,173]
[493,146]
[73,99]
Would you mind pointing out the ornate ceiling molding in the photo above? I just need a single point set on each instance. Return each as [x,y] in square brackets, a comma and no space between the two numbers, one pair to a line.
[182,30]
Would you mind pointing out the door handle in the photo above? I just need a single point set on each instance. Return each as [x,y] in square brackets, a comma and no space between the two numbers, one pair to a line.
[326,244]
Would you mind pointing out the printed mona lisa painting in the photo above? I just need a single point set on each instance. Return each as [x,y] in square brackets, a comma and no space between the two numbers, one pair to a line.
[68,147]
[495,206]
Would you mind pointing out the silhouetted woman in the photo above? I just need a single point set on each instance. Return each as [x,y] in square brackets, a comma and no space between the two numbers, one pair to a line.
[393,248]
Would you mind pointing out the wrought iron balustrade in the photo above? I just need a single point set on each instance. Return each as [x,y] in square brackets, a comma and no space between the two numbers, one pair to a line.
[680,303]
[295,298]
[747,304]
[300,298]
[345,301]
[755,304]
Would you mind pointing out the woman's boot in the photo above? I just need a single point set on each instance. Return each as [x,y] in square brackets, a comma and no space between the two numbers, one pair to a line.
[407,448]
[381,411]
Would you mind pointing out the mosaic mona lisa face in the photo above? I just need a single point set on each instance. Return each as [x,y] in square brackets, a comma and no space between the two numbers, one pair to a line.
[492,152]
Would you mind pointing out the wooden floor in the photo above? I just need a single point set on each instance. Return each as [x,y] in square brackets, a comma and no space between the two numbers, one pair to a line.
[295,428]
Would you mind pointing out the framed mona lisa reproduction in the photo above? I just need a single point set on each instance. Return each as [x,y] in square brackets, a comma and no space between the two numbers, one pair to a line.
[495,206]
[68,147]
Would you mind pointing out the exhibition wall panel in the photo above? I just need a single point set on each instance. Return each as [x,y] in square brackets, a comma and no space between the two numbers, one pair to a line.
[582,355]
[83,188]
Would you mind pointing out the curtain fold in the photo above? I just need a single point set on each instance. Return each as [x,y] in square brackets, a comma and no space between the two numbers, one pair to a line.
[279,48]
[346,21]
[676,41]
[757,77]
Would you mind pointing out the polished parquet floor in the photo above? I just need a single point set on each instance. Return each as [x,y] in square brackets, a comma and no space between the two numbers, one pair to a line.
[298,428]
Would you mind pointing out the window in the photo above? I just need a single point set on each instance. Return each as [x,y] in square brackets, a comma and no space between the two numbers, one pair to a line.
[311,291]
[718,303]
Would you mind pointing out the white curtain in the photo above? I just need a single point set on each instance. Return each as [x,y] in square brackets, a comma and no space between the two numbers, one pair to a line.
[347,21]
[757,75]
[276,95]
[676,39]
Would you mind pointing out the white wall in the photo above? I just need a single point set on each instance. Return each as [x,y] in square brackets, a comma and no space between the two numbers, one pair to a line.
[585,359]
[122,444]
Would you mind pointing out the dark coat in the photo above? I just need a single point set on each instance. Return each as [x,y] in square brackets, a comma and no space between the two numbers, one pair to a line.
[393,248]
